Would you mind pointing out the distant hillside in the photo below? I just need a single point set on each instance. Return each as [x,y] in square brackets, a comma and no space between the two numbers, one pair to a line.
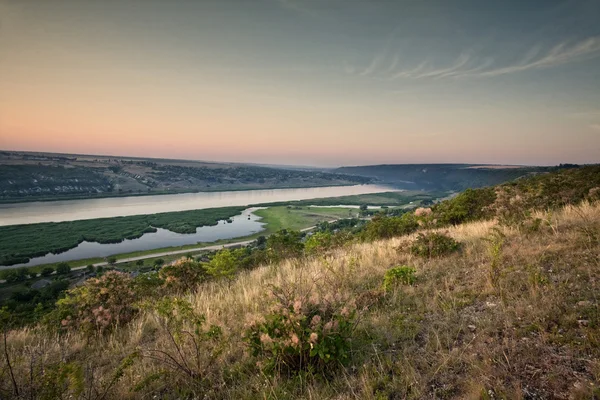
[441,176]
[45,176]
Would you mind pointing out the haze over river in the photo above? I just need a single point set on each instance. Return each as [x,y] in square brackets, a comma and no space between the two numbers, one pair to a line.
[71,210]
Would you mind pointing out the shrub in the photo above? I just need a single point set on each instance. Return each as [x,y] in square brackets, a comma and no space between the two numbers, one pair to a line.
[318,243]
[47,271]
[402,275]
[222,265]
[298,335]
[383,227]
[14,275]
[183,275]
[63,268]
[192,349]
[470,205]
[434,245]
[98,305]
[284,244]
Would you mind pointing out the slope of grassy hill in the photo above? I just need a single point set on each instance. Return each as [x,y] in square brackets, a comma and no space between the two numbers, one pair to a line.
[490,308]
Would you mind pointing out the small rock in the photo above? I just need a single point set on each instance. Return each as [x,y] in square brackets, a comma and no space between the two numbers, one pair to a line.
[472,328]
[488,304]
[583,322]
[584,303]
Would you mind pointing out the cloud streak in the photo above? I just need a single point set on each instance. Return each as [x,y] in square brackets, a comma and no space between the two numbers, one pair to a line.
[467,65]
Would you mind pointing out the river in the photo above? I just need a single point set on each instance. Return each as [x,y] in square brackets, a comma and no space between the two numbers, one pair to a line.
[244,224]
[71,210]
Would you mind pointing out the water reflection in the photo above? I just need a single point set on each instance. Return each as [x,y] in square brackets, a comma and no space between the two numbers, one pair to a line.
[242,225]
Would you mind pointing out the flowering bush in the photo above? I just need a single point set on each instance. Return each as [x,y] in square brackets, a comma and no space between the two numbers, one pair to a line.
[183,275]
[99,304]
[302,334]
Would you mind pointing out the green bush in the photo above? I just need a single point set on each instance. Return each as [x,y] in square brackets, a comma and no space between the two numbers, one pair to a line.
[402,275]
[302,334]
[470,205]
[383,227]
[63,268]
[284,244]
[223,265]
[47,271]
[434,245]
[318,243]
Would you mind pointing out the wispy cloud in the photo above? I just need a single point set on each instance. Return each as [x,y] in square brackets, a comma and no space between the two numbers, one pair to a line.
[467,65]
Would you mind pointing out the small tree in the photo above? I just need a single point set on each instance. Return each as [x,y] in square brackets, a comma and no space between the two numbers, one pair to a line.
[139,263]
[32,274]
[159,262]
[47,271]
[223,265]
[63,268]
[284,244]
[90,268]
[318,243]
[112,260]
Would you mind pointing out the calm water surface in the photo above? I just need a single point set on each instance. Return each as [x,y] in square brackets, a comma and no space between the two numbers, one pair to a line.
[242,225]
[71,210]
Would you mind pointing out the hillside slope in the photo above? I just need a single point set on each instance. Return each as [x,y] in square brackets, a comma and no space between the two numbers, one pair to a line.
[510,315]
[45,176]
[441,176]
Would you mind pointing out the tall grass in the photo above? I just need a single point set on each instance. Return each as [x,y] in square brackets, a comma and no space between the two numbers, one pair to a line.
[534,333]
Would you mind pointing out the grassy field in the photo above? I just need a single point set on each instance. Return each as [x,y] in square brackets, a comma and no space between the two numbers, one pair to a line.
[372,199]
[297,218]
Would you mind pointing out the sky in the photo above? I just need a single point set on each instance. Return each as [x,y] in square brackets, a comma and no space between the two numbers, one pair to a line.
[304,82]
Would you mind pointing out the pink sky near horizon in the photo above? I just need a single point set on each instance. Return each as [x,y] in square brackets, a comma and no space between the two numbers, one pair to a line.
[153,82]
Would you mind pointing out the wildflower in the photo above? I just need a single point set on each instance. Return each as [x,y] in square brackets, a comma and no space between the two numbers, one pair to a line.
[265,339]
[314,337]
[297,306]
[422,212]
[295,340]
[316,320]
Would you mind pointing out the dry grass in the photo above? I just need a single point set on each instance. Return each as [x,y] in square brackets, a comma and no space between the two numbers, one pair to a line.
[531,332]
